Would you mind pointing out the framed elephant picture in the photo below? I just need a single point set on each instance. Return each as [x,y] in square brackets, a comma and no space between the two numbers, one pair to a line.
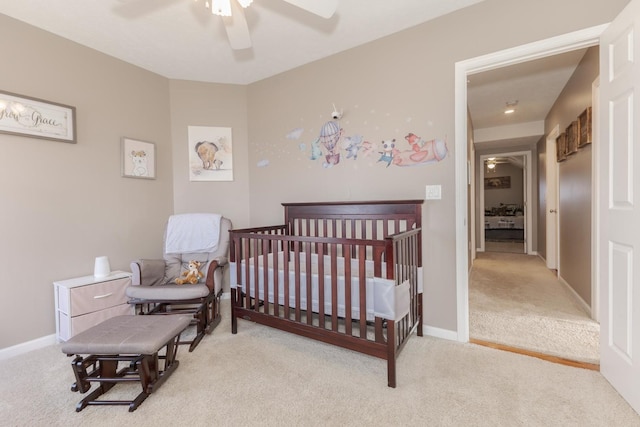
[210,153]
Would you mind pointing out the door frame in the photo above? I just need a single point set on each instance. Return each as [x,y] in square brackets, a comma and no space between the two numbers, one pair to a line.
[595,197]
[527,195]
[551,174]
[540,49]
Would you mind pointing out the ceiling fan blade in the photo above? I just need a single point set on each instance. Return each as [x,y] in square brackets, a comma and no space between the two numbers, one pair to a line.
[323,8]
[237,28]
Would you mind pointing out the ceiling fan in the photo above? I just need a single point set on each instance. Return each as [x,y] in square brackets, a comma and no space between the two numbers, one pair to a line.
[235,22]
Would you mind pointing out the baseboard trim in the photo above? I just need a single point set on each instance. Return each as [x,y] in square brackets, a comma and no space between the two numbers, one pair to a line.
[582,302]
[26,347]
[440,333]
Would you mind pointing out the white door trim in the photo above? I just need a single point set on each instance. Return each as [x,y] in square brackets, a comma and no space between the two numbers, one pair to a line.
[552,253]
[555,45]
[595,197]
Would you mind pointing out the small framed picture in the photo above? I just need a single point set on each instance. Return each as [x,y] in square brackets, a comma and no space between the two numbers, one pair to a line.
[572,138]
[561,147]
[585,128]
[497,182]
[138,159]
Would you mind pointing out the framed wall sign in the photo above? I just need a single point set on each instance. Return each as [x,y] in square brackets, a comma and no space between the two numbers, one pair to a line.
[497,183]
[585,128]
[572,138]
[138,159]
[26,116]
[561,147]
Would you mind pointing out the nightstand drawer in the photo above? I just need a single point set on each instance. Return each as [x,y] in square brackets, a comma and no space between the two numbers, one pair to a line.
[88,299]
[75,325]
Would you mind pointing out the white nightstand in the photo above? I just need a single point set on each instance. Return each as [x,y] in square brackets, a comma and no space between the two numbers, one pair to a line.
[84,302]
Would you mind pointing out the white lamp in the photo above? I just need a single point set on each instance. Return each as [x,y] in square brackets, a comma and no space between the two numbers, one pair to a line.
[101,267]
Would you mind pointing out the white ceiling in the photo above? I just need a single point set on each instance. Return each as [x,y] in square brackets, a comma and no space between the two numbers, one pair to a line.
[534,84]
[181,39]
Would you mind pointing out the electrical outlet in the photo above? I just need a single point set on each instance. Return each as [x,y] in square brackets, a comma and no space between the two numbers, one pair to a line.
[434,192]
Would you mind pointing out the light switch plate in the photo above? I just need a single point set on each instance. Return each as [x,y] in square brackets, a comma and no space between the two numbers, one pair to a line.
[434,192]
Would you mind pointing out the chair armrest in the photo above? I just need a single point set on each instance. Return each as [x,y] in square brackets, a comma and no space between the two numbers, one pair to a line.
[213,265]
[222,260]
[148,272]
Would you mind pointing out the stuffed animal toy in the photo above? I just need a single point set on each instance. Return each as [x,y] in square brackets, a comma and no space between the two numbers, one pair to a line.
[192,275]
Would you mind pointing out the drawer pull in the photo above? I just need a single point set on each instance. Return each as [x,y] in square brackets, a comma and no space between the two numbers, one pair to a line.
[103,296]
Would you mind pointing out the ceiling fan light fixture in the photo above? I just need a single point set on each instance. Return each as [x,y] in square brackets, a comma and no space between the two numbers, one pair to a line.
[221,7]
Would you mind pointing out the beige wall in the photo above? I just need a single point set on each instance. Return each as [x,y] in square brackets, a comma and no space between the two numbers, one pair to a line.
[542,196]
[402,83]
[575,180]
[203,104]
[65,204]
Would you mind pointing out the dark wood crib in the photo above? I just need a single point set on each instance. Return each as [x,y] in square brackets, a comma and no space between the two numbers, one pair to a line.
[344,273]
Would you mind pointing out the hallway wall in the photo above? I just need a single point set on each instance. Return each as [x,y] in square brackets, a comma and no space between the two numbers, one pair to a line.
[574,178]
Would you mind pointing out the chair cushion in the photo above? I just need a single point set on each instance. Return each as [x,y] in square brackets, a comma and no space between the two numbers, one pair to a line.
[127,335]
[151,271]
[168,292]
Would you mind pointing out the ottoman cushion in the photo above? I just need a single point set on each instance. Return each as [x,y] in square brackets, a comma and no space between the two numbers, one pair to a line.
[127,335]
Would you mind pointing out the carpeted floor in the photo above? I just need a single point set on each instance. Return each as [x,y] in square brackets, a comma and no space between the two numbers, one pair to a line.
[265,377]
[515,300]
[502,246]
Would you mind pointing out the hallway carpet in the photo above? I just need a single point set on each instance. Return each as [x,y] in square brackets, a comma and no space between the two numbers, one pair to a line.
[516,301]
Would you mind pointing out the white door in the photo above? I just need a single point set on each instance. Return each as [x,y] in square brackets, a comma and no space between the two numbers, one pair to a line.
[618,204]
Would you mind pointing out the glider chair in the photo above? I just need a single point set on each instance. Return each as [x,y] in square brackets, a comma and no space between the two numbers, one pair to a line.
[203,238]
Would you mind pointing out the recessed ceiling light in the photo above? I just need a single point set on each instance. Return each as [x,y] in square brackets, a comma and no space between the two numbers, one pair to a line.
[511,107]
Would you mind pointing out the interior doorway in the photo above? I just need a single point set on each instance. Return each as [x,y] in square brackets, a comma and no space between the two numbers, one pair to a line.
[572,41]
[504,212]
[490,317]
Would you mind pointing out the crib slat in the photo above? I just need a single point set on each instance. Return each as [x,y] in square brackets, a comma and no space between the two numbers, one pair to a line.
[296,263]
[347,290]
[334,288]
[362,273]
[265,277]
[256,274]
[321,317]
[287,294]
[309,275]
[247,268]
[276,282]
